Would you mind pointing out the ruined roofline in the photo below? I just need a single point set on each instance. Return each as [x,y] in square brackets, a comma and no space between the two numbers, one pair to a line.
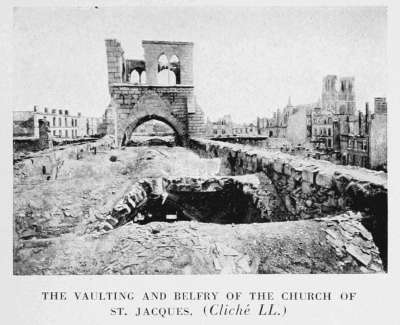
[167,42]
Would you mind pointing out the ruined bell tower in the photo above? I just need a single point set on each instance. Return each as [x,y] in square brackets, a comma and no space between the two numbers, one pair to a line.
[160,87]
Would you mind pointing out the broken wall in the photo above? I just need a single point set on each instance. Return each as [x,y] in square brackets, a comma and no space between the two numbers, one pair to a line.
[310,188]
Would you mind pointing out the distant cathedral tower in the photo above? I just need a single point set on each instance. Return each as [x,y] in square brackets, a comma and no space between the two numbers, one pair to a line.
[346,96]
[338,98]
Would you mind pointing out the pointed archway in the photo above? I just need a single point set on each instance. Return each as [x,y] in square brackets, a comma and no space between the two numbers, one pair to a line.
[150,107]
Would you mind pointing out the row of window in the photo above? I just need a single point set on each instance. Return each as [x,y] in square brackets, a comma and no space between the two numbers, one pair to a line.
[324,121]
[359,145]
[74,133]
[355,160]
[222,131]
[73,122]
[323,131]
[326,144]
[169,72]
[236,131]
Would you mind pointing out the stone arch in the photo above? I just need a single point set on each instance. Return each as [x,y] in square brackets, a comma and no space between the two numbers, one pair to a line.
[168,71]
[170,121]
[151,107]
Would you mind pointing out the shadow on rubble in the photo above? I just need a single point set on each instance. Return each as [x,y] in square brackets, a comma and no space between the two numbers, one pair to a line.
[227,206]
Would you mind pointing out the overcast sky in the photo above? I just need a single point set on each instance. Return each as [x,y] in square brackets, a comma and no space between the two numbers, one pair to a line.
[247,61]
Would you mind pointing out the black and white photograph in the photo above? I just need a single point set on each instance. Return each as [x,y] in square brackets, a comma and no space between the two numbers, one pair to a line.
[201,140]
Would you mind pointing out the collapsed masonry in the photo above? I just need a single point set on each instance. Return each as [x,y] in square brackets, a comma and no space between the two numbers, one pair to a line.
[310,188]
[275,190]
[237,233]
[343,235]
[229,200]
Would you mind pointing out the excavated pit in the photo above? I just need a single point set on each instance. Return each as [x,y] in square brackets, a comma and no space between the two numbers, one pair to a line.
[222,201]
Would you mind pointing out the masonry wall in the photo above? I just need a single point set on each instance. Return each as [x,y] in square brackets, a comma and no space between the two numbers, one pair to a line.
[25,124]
[310,188]
[196,125]
[114,61]
[26,145]
[174,102]
[378,141]
[47,163]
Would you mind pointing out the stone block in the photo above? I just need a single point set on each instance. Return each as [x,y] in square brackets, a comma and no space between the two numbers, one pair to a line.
[287,169]
[308,174]
[266,163]
[340,181]
[297,173]
[278,166]
[324,179]
[306,187]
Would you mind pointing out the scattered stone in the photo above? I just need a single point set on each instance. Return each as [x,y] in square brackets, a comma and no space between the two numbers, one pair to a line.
[358,254]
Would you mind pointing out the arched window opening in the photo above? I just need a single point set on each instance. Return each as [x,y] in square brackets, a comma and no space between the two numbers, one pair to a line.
[134,78]
[168,71]
[162,62]
[163,70]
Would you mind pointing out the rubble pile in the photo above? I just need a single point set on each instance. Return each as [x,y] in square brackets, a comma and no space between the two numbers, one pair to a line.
[190,247]
[46,164]
[129,206]
[352,242]
[73,223]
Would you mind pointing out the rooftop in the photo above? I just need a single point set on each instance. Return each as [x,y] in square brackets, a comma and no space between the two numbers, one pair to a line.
[167,42]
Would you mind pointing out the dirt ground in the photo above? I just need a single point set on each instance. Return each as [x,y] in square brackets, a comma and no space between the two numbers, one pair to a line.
[57,226]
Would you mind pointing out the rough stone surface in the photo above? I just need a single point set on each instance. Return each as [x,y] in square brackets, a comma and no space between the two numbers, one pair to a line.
[330,188]
[201,248]
[64,226]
